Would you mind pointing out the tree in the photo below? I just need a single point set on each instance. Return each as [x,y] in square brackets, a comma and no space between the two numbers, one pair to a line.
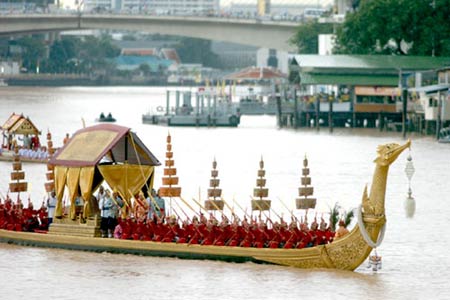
[95,53]
[306,37]
[399,27]
[62,57]
[145,69]
[193,50]
[33,51]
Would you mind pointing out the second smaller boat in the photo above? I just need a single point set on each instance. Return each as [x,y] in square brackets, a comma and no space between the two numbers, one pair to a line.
[108,118]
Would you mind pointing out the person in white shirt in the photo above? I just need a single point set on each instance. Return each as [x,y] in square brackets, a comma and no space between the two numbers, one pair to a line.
[51,205]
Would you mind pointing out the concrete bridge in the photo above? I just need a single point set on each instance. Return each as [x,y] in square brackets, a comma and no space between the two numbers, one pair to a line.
[264,34]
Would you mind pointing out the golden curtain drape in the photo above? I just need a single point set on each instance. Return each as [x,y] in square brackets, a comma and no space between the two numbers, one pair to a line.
[72,180]
[86,178]
[60,181]
[126,178]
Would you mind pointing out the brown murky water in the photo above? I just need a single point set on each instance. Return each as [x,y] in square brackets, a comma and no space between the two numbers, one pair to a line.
[415,251]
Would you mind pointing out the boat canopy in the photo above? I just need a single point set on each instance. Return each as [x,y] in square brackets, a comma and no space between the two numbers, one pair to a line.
[18,124]
[102,152]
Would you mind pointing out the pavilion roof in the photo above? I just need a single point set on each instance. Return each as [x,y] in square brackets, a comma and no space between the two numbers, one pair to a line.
[112,143]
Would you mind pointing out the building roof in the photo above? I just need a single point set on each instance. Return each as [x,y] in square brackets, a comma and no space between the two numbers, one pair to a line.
[370,62]
[140,52]
[256,73]
[170,54]
[133,62]
[381,70]
[431,89]
[333,79]
[88,146]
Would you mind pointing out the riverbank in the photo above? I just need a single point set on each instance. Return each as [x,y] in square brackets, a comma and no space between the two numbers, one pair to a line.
[62,80]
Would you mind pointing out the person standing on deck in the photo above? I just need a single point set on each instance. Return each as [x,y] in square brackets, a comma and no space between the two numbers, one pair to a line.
[341,231]
[66,139]
[155,210]
[51,205]
[106,212]
[101,194]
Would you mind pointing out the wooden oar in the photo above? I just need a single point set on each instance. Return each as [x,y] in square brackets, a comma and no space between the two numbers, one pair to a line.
[182,210]
[226,204]
[261,210]
[245,212]
[199,204]
[188,205]
[287,208]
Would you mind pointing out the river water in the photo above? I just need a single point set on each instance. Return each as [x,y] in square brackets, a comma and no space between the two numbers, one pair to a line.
[415,250]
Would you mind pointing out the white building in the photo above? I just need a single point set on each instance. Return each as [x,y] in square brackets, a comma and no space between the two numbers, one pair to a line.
[182,6]
[434,100]
[9,68]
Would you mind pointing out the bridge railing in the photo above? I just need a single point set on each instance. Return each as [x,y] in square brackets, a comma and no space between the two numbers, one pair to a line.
[274,18]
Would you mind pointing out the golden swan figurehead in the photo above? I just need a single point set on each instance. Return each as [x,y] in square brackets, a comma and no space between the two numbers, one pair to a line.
[388,153]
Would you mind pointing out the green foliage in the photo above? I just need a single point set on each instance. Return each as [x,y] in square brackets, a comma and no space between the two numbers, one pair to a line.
[334,216]
[90,55]
[380,27]
[347,217]
[62,57]
[192,50]
[145,69]
[307,35]
[33,51]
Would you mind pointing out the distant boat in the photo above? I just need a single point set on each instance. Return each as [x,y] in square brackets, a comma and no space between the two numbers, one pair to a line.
[209,111]
[444,135]
[108,118]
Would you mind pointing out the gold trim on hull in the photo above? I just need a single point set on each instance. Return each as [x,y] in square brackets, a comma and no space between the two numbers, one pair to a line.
[347,253]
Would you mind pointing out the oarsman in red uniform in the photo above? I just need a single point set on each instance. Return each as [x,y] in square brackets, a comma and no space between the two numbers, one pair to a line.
[329,234]
[8,203]
[274,236]
[235,234]
[43,217]
[247,238]
[313,232]
[181,234]
[209,234]
[194,232]
[321,233]
[171,230]
[147,233]
[224,235]
[260,234]
[18,220]
[292,236]
[139,230]
[160,229]
[2,216]
[304,239]
[126,229]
